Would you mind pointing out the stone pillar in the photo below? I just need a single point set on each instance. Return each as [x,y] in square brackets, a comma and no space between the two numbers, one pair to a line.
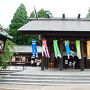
[61,59]
[82,54]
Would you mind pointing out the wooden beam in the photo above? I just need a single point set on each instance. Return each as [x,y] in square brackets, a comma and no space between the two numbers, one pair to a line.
[60,33]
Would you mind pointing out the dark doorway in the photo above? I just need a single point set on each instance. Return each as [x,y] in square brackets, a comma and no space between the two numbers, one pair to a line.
[72,59]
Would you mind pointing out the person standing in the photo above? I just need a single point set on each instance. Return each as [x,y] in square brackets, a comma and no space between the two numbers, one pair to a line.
[70,64]
[74,64]
[32,62]
[66,63]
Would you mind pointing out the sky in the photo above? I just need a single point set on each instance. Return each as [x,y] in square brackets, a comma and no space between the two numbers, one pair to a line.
[71,8]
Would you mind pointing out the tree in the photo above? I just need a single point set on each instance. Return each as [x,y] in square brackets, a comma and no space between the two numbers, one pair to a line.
[88,15]
[9,50]
[19,19]
[43,13]
[32,15]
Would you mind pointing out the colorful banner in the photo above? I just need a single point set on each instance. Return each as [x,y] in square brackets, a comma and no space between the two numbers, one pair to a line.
[34,49]
[56,49]
[45,49]
[88,49]
[67,48]
[78,49]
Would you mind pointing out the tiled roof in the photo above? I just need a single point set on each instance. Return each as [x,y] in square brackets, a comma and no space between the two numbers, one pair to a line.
[4,33]
[56,25]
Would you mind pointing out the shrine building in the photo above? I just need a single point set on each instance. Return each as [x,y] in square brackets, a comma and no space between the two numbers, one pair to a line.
[62,29]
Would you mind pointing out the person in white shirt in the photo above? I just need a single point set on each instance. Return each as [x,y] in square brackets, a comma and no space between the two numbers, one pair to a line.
[66,63]
[70,64]
[32,62]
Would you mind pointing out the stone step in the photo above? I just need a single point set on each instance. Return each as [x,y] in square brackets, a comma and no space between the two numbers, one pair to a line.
[45,81]
[46,78]
[10,70]
[49,75]
[6,72]
[47,84]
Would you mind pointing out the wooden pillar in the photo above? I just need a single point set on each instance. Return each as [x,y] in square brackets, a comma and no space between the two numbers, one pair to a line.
[61,59]
[82,53]
[46,63]
[87,58]
[48,59]
[52,57]
[58,60]
[43,63]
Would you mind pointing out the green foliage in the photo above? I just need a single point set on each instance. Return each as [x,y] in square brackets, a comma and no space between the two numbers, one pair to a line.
[32,15]
[88,15]
[43,13]
[3,64]
[20,15]
[9,50]
[19,19]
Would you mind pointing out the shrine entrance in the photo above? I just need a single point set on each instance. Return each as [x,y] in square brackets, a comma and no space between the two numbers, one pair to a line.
[61,29]
[58,62]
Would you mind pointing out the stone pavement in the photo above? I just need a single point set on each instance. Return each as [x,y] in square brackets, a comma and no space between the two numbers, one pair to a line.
[37,70]
[34,87]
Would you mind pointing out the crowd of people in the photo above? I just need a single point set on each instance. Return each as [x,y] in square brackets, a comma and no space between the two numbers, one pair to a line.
[71,64]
